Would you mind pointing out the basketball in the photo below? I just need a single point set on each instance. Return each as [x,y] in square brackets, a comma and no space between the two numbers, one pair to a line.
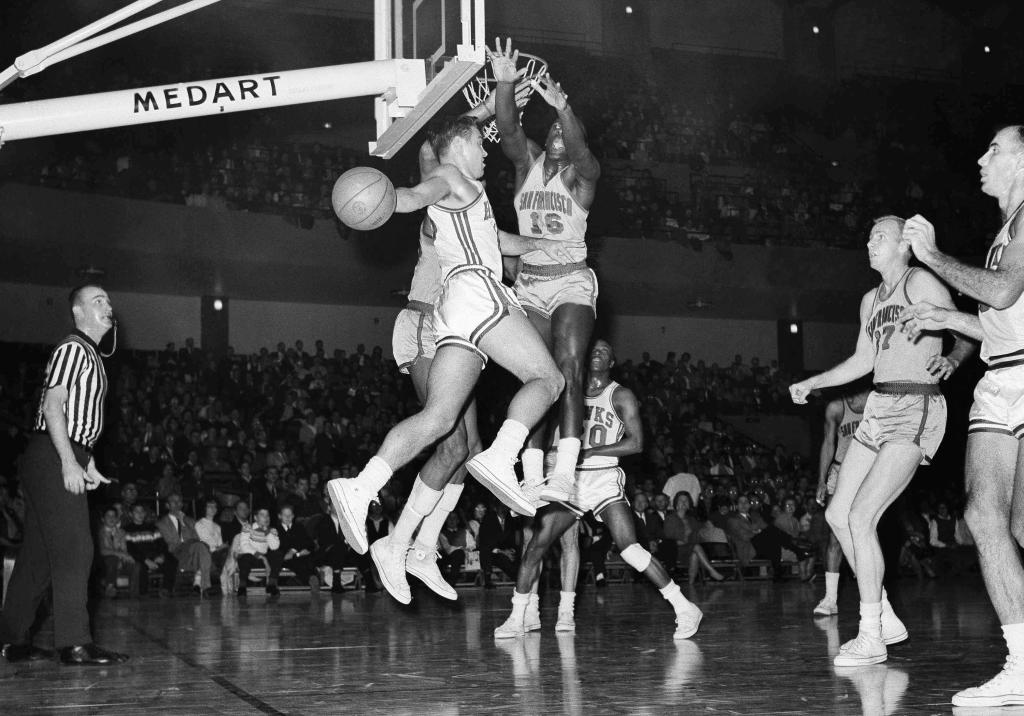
[363,198]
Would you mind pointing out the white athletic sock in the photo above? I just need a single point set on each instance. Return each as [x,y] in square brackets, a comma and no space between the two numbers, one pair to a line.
[533,466]
[376,474]
[430,528]
[519,602]
[566,601]
[1014,635]
[510,438]
[534,600]
[674,596]
[421,502]
[568,454]
[871,619]
[832,586]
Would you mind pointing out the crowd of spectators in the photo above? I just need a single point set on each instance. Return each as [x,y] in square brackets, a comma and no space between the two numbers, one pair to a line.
[214,461]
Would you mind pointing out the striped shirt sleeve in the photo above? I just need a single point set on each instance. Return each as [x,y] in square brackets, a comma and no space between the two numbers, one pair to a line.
[66,362]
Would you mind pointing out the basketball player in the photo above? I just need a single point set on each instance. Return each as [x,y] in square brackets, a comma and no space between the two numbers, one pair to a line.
[995,461]
[842,416]
[612,429]
[555,187]
[476,318]
[436,490]
[904,421]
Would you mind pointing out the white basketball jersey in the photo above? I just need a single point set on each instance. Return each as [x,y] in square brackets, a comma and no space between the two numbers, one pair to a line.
[601,426]
[897,357]
[847,429]
[549,210]
[426,277]
[1002,329]
[467,236]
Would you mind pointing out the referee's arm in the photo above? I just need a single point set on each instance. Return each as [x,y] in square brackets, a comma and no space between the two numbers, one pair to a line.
[57,426]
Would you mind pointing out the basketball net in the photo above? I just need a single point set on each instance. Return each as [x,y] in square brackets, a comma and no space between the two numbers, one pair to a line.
[480,88]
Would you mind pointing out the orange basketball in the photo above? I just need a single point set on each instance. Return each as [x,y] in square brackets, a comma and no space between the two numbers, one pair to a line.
[364,198]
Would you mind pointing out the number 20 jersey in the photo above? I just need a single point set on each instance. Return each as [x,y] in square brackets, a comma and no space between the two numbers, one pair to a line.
[897,358]
[601,426]
[549,210]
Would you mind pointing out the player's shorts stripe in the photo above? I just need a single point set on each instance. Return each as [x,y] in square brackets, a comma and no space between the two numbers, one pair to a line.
[497,313]
[610,501]
[999,431]
[924,420]
[457,342]
[1006,364]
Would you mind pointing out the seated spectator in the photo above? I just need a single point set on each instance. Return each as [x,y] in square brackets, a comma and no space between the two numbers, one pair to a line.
[451,548]
[129,496]
[302,502]
[113,549]
[683,528]
[664,549]
[499,544]
[334,554]
[237,521]
[149,551]
[787,521]
[254,543]
[210,534]
[294,552]
[752,537]
[952,543]
[179,533]
[265,492]
[682,480]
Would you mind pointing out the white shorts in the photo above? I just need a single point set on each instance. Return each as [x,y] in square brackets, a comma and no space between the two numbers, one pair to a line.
[999,403]
[542,289]
[472,302]
[596,488]
[413,337]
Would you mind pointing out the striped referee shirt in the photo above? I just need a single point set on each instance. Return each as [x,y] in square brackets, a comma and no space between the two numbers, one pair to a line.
[75,364]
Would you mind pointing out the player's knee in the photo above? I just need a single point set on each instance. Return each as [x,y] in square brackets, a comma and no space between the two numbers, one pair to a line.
[636,557]
[570,539]
[571,368]
[552,381]
[861,520]
[837,519]
[437,422]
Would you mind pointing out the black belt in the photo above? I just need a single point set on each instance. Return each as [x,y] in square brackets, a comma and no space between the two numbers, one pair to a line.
[75,443]
[908,388]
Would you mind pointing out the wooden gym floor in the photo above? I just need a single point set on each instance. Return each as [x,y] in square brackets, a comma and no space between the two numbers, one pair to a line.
[759,651]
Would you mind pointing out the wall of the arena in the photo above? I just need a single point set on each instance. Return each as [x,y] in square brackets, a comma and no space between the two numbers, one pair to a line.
[736,27]
[38,314]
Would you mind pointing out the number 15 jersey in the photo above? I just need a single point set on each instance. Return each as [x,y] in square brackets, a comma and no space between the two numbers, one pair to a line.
[897,358]
[549,210]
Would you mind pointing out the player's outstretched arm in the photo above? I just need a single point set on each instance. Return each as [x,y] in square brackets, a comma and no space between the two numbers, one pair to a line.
[833,414]
[514,143]
[856,366]
[583,160]
[999,288]
[517,245]
[924,316]
[445,181]
[632,441]
[429,163]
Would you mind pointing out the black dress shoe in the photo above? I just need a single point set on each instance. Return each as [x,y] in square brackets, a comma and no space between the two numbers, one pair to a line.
[24,652]
[90,655]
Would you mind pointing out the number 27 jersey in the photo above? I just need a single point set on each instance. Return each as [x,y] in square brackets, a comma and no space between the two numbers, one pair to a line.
[549,210]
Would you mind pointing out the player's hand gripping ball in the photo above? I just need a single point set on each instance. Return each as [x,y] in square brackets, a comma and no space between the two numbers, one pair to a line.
[363,198]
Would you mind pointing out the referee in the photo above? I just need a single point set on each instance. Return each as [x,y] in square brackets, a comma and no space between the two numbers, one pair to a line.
[55,472]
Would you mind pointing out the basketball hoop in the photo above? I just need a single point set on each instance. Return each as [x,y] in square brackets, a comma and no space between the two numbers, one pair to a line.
[480,87]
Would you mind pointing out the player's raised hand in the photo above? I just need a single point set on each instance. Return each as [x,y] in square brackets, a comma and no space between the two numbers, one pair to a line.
[503,62]
[920,317]
[941,366]
[551,91]
[921,235]
[799,392]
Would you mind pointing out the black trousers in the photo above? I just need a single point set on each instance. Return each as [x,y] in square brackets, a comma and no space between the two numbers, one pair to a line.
[57,551]
[301,566]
